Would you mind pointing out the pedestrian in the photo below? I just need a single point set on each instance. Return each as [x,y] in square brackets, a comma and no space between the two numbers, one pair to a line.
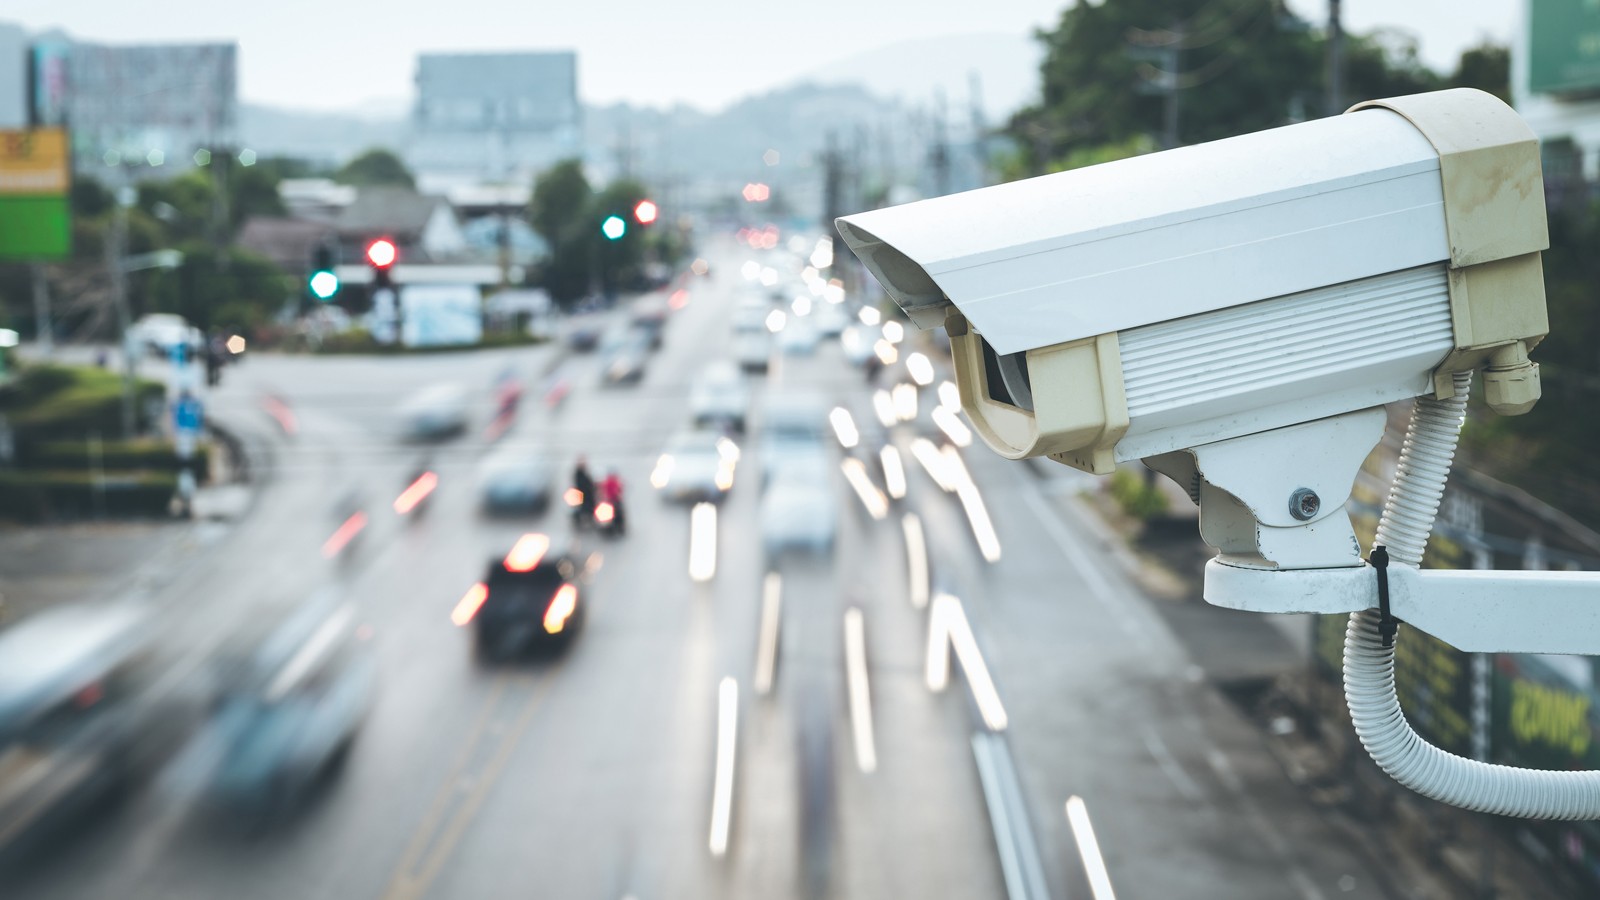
[611,492]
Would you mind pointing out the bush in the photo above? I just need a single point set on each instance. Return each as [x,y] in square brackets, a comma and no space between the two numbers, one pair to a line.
[1138,498]
[155,454]
[72,401]
[38,495]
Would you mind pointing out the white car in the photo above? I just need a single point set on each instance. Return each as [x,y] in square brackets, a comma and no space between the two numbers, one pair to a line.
[696,466]
[161,333]
[752,350]
[719,397]
[792,434]
[798,511]
[434,412]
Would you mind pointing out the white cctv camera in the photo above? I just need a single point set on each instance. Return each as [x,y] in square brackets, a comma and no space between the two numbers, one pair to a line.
[1144,308]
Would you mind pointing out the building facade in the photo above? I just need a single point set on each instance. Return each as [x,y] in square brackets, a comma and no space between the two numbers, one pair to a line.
[151,105]
[494,117]
[1555,85]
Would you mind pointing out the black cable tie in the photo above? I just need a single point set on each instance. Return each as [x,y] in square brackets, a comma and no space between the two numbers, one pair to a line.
[1387,623]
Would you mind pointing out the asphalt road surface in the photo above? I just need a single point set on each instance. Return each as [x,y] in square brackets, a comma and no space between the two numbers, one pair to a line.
[615,769]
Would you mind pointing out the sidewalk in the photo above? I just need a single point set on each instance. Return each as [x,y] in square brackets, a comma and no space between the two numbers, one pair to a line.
[1263,663]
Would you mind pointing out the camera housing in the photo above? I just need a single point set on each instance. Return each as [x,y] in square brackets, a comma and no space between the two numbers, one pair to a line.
[1173,300]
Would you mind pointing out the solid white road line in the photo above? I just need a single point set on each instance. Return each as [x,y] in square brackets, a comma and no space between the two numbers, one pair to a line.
[855,660]
[722,781]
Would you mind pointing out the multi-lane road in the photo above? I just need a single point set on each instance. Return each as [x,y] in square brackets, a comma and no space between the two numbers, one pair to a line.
[778,730]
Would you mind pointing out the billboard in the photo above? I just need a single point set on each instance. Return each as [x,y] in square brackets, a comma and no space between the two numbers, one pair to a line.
[34,180]
[441,315]
[1564,46]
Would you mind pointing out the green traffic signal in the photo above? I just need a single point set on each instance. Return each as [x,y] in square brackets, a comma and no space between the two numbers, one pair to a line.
[613,228]
[324,284]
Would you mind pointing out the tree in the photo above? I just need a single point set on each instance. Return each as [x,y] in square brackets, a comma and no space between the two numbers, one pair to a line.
[375,167]
[561,195]
[1486,67]
[558,209]
[1238,67]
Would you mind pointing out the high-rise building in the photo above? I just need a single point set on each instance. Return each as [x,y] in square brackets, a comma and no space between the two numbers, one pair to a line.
[494,116]
[153,105]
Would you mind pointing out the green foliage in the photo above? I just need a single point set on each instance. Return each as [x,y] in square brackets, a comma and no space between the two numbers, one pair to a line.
[235,290]
[43,495]
[1138,496]
[375,167]
[1486,67]
[567,212]
[154,454]
[561,194]
[1242,66]
[71,401]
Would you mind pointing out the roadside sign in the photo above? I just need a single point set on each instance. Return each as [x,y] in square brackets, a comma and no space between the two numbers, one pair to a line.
[34,180]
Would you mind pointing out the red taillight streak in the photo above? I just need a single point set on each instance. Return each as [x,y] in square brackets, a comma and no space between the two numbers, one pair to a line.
[526,553]
[416,492]
[561,608]
[470,603]
[337,541]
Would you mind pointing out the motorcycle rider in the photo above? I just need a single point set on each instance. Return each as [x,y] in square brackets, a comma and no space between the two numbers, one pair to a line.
[583,483]
[611,492]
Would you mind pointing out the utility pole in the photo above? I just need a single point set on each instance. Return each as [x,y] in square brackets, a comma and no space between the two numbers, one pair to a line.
[118,273]
[44,332]
[1335,59]
[1173,66]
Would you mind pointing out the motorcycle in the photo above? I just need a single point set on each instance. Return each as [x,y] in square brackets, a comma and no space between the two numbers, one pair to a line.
[608,519]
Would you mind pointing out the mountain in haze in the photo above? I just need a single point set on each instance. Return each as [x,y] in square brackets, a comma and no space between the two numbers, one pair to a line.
[1006,67]
[882,111]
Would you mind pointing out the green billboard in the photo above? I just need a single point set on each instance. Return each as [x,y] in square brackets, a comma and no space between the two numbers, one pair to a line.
[34,178]
[1564,46]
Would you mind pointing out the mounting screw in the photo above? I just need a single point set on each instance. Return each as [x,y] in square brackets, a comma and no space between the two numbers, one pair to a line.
[1304,503]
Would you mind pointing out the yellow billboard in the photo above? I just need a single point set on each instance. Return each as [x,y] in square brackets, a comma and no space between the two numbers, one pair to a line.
[34,163]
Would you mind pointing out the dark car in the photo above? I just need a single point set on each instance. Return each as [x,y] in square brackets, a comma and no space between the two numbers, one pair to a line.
[625,353]
[528,600]
[515,481]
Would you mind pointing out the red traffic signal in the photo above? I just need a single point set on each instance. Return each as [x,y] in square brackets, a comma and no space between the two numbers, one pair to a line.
[381,253]
[645,212]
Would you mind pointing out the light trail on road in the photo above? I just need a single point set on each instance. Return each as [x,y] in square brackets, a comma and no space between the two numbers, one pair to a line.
[722,778]
[1094,865]
[948,622]
[855,660]
[703,542]
[871,498]
[894,471]
[767,641]
[342,536]
[916,560]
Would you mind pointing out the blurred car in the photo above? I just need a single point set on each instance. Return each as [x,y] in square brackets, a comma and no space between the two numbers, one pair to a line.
[434,413]
[792,434]
[161,333]
[798,337]
[831,319]
[752,350]
[584,331]
[798,511]
[751,315]
[515,481]
[696,465]
[650,318]
[857,342]
[625,352]
[288,708]
[719,397]
[528,599]
[77,722]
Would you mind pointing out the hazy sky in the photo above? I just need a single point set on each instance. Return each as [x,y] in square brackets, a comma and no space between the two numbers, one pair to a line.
[340,54]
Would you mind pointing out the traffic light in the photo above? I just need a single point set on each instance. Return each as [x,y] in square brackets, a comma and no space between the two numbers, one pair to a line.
[645,212]
[323,281]
[613,228]
[381,255]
